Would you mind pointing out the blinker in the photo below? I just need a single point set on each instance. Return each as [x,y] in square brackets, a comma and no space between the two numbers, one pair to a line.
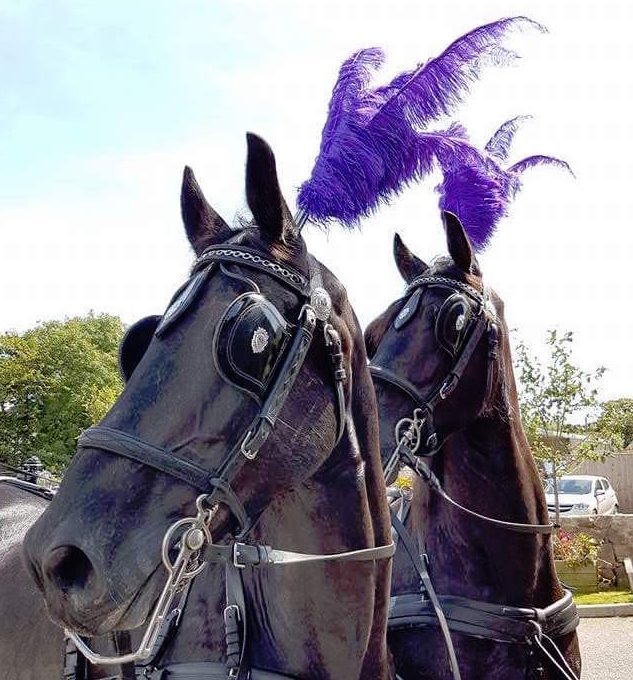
[452,323]
[135,343]
[249,341]
[409,310]
[139,335]
[182,300]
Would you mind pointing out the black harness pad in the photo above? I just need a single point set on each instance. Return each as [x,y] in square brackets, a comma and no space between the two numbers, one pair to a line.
[452,323]
[135,343]
[249,342]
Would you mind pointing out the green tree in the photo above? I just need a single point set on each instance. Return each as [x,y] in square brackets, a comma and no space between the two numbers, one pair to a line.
[615,424]
[55,380]
[551,396]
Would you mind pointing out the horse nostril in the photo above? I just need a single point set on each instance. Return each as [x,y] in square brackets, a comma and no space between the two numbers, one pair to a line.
[69,568]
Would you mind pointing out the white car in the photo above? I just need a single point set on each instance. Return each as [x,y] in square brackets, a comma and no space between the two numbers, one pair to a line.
[582,495]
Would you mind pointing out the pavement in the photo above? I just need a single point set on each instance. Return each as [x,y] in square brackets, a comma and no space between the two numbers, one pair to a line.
[606,645]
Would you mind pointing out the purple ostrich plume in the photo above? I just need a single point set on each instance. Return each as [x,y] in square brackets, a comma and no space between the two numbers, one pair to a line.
[478,190]
[374,144]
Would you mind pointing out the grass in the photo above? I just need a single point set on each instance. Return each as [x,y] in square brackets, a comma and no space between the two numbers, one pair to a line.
[604,597]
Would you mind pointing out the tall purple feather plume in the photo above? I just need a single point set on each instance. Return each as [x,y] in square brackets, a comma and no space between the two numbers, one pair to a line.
[372,145]
[499,144]
[532,161]
[353,78]
[479,191]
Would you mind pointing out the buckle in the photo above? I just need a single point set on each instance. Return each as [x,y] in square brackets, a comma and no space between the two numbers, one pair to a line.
[448,386]
[236,555]
[231,609]
[246,452]
[431,442]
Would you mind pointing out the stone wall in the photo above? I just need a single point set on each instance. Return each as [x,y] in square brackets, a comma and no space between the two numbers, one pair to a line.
[615,536]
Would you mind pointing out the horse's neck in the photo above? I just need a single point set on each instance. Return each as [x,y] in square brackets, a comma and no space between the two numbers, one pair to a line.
[488,468]
[295,611]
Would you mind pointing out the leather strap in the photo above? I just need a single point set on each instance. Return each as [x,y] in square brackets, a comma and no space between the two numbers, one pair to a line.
[42,491]
[129,446]
[487,620]
[209,671]
[249,555]
[235,623]
[424,472]
[419,563]
[283,384]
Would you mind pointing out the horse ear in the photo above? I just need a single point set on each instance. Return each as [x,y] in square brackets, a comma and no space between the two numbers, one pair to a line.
[203,225]
[263,194]
[408,264]
[458,242]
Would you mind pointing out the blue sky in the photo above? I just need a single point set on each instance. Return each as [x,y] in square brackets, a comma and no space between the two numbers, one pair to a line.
[102,104]
[84,78]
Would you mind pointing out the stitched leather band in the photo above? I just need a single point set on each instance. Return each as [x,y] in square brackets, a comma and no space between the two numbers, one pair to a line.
[487,620]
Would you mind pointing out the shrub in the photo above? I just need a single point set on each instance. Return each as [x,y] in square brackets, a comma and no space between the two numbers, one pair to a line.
[574,549]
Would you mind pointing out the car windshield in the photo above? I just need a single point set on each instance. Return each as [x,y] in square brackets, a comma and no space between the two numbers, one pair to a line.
[570,485]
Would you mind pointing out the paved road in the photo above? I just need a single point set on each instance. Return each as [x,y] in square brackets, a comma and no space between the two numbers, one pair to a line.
[607,648]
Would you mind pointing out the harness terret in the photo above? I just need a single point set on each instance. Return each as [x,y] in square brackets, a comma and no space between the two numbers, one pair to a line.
[417,437]
[270,384]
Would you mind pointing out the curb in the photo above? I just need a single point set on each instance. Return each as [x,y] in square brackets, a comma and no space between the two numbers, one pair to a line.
[588,611]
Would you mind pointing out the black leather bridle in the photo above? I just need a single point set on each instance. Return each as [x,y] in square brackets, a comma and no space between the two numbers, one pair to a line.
[425,440]
[216,484]
[416,438]
[195,540]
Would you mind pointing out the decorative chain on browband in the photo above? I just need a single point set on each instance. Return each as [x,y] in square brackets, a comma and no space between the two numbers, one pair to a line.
[252,258]
[450,283]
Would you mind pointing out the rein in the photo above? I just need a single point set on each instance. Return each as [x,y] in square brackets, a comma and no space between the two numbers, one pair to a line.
[192,535]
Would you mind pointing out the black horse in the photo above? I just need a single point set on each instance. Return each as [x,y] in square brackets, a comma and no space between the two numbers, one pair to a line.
[445,385]
[253,388]
[30,645]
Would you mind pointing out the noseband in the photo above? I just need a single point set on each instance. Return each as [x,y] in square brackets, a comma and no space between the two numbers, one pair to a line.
[192,536]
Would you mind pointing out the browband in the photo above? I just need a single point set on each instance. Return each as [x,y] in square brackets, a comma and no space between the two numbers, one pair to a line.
[242,254]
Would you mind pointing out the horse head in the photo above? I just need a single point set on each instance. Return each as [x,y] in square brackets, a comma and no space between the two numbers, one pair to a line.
[435,353]
[252,390]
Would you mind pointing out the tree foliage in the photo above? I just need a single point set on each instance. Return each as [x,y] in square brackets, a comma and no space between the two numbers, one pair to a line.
[615,423]
[55,380]
[551,396]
